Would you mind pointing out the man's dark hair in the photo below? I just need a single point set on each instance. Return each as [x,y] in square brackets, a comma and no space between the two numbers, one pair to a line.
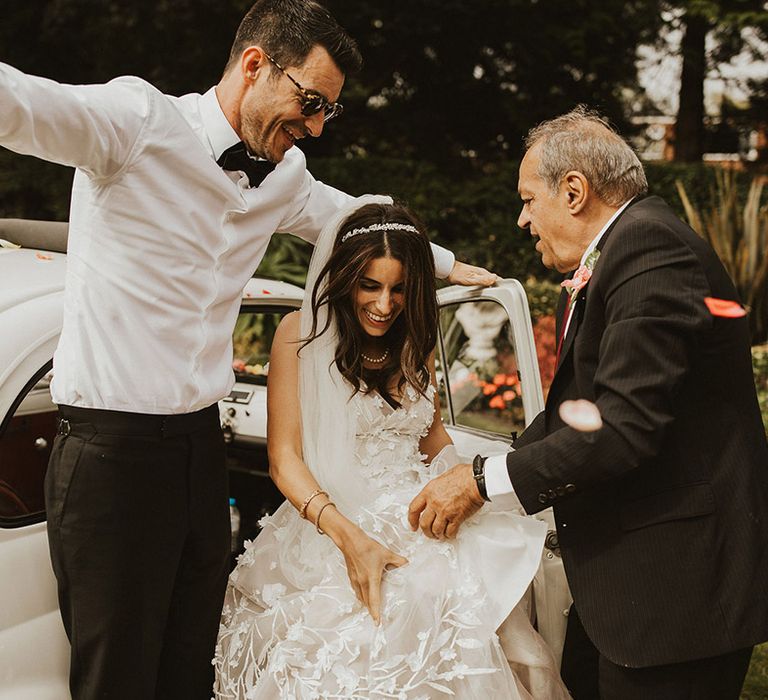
[289,29]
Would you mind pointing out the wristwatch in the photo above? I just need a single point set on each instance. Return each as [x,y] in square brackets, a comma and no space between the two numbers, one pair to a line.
[478,472]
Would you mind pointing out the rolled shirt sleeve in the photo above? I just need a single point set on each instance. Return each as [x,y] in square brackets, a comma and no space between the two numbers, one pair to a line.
[444,261]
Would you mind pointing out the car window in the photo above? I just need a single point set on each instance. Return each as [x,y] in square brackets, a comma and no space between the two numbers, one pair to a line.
[252,340]
[479,378]
[26,438]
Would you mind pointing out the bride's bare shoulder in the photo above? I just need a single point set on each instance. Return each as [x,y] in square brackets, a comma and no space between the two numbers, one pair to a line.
[290,323]
[288,331]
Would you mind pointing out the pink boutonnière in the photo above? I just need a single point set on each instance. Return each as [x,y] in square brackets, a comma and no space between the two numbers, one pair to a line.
[581,276]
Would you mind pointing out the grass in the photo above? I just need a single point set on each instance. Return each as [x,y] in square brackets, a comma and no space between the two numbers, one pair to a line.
[756,683]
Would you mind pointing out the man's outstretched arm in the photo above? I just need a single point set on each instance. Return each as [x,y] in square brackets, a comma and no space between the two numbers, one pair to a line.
[92,127]
[471,275]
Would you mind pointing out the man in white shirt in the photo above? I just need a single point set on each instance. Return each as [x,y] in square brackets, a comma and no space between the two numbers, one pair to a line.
[162,241]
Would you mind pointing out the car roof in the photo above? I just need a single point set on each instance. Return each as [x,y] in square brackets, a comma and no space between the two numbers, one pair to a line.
[27,274]
[272,290]
[43,235]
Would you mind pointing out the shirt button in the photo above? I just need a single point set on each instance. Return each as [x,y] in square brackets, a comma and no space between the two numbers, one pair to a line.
[570,488]
[550,555]
[543,498]
[566,612]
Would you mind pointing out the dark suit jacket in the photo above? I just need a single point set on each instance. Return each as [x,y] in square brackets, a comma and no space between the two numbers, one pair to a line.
[662,515]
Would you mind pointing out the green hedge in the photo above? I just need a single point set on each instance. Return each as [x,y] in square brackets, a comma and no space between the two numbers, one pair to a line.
[474,212]
[33,189]
[760,368]
[471,210]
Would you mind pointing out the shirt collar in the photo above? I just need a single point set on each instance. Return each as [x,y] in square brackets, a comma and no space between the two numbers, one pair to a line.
[597,238]
[220,133]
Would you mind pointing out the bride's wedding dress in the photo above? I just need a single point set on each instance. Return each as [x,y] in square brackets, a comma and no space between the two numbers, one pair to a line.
[454,621]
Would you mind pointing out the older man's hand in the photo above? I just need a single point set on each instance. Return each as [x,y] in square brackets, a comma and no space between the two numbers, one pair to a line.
[471,275]
[445,503]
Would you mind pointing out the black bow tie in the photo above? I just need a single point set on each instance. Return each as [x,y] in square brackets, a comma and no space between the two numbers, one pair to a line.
[237,158]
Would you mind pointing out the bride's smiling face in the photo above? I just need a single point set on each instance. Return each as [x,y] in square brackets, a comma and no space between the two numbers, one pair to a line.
[379,295]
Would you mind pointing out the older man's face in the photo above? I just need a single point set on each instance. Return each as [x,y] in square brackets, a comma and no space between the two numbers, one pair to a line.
[548,217]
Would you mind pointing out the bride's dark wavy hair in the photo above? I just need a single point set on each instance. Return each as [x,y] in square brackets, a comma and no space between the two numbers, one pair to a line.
[413,335]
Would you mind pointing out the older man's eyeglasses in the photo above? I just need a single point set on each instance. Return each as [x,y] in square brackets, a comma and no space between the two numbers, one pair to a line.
[312,101]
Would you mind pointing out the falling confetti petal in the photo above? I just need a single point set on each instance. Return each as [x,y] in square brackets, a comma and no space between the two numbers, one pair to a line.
[724,308]
[42,256]
[581,415]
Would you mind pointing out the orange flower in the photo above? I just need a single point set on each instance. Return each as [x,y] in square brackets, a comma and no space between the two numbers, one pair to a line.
[489,389]
[497,402]
[499,379]
[509,395]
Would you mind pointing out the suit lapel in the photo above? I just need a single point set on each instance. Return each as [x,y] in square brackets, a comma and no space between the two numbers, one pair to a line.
[560,310]
[577,311]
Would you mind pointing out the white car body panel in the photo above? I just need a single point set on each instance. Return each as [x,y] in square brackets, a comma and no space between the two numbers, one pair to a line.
[34,651]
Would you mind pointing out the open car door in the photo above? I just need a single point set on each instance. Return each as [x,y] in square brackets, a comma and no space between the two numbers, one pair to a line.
[490,390]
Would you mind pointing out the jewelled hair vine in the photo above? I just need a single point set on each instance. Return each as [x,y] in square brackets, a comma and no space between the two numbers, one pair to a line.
[379,227]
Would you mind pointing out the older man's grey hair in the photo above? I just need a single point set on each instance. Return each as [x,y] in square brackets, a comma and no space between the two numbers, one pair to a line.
[582,140]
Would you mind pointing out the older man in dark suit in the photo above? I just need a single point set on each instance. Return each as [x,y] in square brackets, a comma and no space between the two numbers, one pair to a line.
[662,513]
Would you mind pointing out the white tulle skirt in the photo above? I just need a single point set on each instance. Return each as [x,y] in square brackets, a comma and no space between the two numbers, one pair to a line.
[455,619]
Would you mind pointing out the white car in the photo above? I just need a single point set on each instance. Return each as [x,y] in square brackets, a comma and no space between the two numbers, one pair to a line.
[489,387]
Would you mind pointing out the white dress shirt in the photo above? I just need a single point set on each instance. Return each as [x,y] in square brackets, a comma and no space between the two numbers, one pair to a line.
[161,240]
[497,481]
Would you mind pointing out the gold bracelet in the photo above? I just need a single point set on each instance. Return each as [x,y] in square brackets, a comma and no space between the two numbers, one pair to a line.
[303,509]
[319,513]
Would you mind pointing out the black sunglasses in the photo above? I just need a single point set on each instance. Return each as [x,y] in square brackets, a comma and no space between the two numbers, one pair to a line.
[312,101]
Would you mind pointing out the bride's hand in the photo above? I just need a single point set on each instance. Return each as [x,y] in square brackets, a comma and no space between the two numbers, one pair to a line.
[366,561]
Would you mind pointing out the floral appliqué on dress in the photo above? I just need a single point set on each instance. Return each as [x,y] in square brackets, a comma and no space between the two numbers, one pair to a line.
[293,629]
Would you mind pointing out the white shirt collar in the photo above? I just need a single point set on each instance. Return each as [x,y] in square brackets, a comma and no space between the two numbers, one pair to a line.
[597,238]
[220,133]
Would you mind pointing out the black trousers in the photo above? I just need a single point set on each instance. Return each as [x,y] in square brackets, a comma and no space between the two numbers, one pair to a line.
[590,676]
[139,532]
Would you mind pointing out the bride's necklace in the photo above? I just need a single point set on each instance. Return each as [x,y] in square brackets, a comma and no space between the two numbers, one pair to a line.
[376,360]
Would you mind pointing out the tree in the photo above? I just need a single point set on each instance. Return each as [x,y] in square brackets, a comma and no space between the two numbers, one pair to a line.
[724,21]
[458,83]
[179,46]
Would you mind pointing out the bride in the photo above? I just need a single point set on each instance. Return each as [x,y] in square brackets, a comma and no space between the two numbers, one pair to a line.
[337,597]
